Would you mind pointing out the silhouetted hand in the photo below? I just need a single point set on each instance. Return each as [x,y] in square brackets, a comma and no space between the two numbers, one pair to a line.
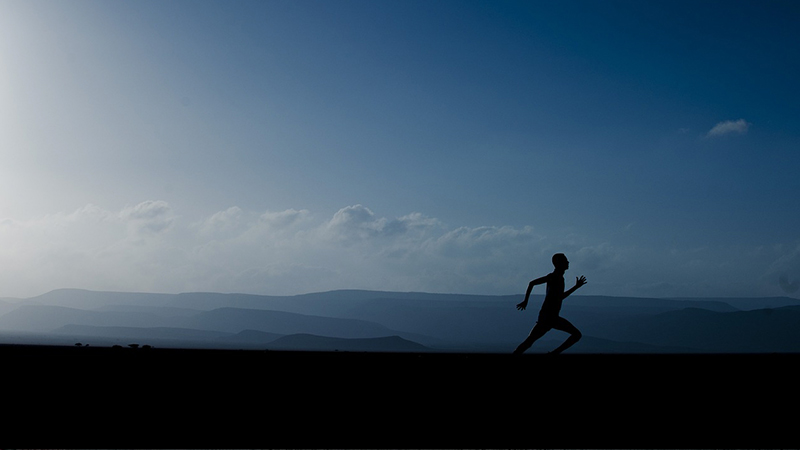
[580,281]
[522,305]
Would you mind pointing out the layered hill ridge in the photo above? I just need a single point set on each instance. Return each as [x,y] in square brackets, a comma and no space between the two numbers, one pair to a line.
[365,320]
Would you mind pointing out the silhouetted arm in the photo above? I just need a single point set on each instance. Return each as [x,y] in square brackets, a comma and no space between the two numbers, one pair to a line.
[524,304]
[578,283]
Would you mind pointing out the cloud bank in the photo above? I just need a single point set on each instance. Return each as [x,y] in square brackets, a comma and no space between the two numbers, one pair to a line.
[150,248]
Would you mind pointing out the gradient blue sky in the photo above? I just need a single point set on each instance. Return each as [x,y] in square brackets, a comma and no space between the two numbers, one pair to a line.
[282,147]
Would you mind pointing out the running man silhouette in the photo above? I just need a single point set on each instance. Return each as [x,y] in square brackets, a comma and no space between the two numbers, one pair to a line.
[549,318]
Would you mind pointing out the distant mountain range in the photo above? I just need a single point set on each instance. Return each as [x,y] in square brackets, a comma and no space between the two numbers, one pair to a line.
[376,321]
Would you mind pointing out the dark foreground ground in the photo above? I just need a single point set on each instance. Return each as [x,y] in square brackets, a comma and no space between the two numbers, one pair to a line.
[148,398]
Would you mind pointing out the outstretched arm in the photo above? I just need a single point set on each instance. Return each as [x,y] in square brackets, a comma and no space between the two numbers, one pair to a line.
[578,283]
[524,304]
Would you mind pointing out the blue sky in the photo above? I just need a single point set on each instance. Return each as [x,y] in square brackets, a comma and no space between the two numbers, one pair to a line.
[282,147]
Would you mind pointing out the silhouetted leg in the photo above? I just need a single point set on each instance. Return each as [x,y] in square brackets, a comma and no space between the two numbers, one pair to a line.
[563,324]
[538,331]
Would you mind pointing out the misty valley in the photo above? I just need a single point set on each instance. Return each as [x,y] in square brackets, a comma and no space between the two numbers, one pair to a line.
[375,321]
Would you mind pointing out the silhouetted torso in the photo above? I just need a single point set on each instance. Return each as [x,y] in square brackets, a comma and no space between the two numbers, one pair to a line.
[554,296]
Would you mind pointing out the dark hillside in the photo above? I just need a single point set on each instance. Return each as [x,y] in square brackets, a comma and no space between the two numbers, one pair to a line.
[146,398]
[764,330]
[83,299]
[234,320]
[750,303]
[308,342]
[45,318]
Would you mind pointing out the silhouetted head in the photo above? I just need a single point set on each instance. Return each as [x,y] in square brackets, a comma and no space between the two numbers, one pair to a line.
[560,261]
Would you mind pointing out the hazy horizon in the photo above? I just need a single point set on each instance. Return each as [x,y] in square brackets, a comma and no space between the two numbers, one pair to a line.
[286,147]
[463,323]
[536,295]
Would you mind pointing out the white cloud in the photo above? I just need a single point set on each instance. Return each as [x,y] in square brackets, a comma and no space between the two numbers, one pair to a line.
[90,247]
[284,219]
[596,257]
[483,242]
[148,247]
[358,224]
[149,216]
[729,127]
[354,223]
[221,224]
